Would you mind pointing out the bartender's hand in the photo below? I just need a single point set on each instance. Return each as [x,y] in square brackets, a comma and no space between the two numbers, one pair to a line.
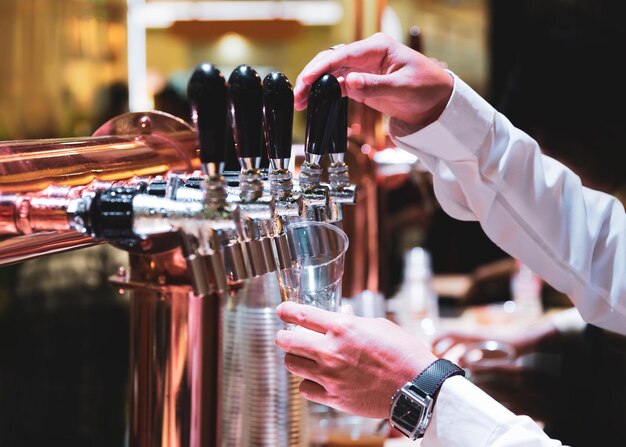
[347,362]
[385,75]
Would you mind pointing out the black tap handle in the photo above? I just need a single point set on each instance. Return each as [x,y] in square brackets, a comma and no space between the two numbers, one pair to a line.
[324,99]
[339,143]
[110,216]
[278,115]
[246,111]
[208,96]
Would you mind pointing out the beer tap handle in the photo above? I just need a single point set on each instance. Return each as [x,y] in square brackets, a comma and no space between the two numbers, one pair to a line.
[324,99]
[246,112]
[339,143]
[341,190]
[208,95]
[278,118]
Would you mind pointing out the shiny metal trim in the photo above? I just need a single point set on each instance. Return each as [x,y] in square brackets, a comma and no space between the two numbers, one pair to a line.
[281,164]
[283,253]
[207,273]
[234,261]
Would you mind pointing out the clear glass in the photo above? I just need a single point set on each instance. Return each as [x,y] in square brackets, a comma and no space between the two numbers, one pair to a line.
[317,251]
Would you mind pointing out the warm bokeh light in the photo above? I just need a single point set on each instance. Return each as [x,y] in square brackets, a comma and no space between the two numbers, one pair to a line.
[233,48]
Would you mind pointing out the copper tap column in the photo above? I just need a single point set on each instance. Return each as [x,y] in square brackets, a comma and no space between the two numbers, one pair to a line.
[195,255]
[177,280]
[176,283]
[175,328]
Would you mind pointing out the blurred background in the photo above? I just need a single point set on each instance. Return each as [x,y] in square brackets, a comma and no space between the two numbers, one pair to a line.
[67,66]
[65,61]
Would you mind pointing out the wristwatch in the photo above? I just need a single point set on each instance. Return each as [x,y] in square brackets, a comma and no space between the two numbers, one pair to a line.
[412,405]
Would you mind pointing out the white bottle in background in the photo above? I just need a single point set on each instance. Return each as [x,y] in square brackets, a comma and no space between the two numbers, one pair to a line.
[526,289]
[416,303]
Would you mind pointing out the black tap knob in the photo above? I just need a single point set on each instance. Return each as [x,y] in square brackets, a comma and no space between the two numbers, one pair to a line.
[278,115]
[208,95]
[246,112]
[324,99]
[339,143]
[110,216]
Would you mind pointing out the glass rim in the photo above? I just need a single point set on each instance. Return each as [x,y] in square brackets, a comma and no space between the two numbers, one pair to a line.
[339,231]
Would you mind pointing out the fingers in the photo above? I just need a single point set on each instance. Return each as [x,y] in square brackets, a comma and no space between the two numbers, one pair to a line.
[301,88]
[310,317]
[299,341]
[298,361]
[313,391]
[364,55]
[359,86]
[301,366]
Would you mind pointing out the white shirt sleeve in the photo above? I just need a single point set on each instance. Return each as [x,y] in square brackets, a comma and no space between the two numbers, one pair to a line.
[532,206]
[465,416]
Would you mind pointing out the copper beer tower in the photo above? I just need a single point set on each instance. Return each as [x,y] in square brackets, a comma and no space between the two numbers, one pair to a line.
[204,245]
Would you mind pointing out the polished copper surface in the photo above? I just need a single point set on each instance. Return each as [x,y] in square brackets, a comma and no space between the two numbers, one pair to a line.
[22,248]
[176,351]
[175,355]
[38,178]
[149,148]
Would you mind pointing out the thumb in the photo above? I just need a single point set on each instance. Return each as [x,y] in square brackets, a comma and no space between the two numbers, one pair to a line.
[360,85]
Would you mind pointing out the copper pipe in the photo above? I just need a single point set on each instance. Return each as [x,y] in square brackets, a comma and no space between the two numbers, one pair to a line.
[22,248]
[33,165]
[137,144]
[33,218]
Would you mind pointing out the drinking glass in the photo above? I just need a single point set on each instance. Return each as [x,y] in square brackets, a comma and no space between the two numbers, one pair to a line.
[317,252]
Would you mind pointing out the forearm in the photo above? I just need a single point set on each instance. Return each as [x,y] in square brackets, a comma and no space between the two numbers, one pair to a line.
[532,206]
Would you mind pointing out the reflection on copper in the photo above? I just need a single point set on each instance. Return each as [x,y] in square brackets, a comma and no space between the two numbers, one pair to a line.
[367,135]
[22,248]
[175,334]
[33,165]
[175,356]
[167,143]
[127,148]
[361,224]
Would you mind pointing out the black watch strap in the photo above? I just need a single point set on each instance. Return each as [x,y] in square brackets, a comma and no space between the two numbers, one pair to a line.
[432,377]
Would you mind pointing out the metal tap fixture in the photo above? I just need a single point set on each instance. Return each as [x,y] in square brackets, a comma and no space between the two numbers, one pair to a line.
[342,192]
[246,114]
[203,253]
[278,110]
[208,95]
[252,415]
[324,98]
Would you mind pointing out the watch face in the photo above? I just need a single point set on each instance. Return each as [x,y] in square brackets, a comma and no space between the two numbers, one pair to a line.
[411,406]
[407,412]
